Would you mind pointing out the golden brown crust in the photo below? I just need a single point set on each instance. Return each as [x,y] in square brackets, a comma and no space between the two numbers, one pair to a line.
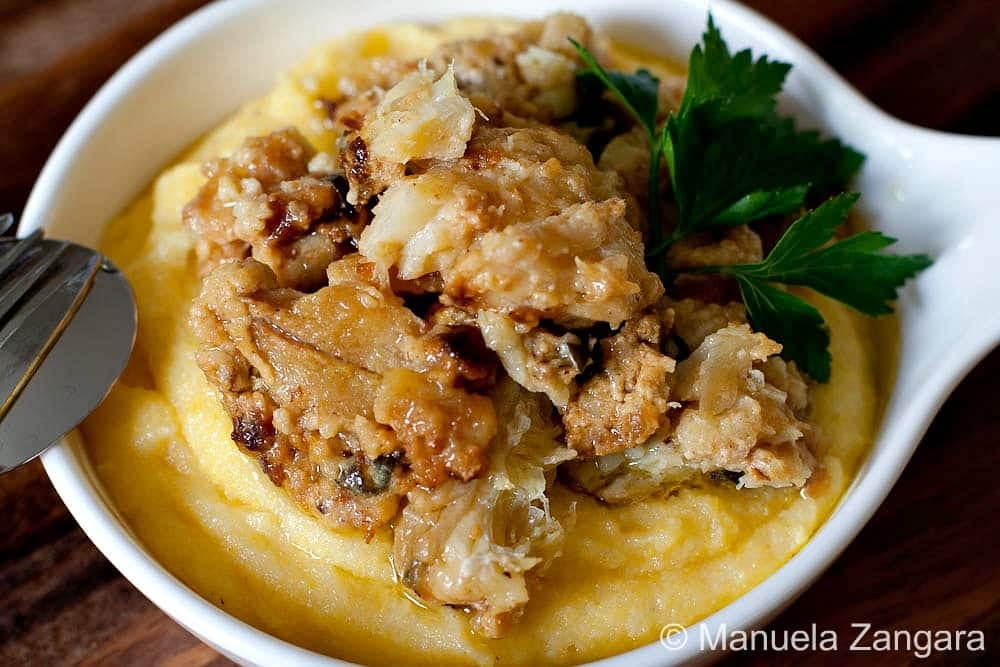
[625,403]
[262,201]
[735,418]
[443,430]
[480,544]
[523,224]
[334,389]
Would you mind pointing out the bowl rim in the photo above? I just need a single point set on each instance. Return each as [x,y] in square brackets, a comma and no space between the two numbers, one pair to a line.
[76,485]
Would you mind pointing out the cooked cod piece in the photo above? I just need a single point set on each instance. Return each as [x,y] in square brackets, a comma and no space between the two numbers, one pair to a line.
[738,419]
[422,117]
[479,544]
[654,468]
[523,224]
[576,267]
[263,201]
[529,74]
[536,358]
[737,409]
[693,320]
[628,156]
[736,245]
[625,403]
[426,110]
[341,394]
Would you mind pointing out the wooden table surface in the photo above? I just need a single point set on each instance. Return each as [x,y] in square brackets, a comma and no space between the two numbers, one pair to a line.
[928,559]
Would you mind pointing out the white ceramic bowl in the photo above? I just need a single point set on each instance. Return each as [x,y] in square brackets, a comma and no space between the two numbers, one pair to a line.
[938,193]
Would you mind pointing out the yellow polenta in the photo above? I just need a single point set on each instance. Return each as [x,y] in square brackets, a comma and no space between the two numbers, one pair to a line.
[161,445]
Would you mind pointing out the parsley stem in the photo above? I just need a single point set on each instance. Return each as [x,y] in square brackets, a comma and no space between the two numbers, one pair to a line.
[722,270]
[660,247]
[653,194]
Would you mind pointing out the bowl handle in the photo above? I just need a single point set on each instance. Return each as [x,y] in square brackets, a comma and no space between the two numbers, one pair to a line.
[943,198]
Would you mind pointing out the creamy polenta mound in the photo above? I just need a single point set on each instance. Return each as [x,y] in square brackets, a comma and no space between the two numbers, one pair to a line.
[405,391]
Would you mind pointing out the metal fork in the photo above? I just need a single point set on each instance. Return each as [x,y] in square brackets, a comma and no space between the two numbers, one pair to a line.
[44,285]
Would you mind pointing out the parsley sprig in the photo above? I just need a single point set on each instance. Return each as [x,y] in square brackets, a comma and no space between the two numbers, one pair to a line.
[639,94]
[734,160]
[851,270]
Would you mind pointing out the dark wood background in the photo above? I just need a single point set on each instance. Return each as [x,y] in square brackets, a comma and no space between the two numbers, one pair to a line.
[929,558]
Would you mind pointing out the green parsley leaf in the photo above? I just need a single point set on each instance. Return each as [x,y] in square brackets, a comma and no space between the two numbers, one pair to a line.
[811,231]
[795,324]
[716,161]
[763,204]
[638,92]
[732,159]
[714,166]
[852,271]
[734,85]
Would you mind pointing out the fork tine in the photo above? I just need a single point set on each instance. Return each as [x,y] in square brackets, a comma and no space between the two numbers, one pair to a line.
[39,319]
[17,250]
[62,265]
[6,223]
[18,284]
